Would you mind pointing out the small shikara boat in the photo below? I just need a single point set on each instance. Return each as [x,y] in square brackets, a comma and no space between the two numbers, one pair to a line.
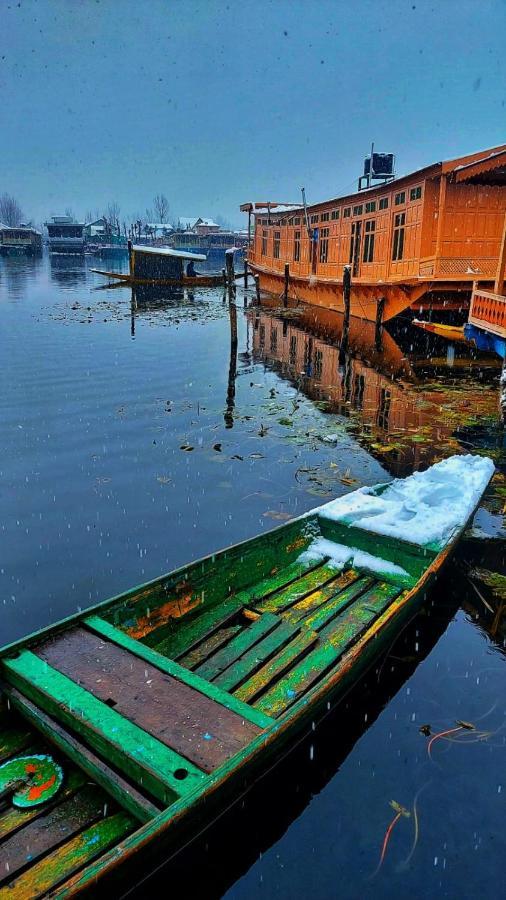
[162,266]
[453,333]
[127,727]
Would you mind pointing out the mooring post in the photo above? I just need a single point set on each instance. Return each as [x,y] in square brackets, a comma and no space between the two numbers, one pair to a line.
[379,322]
[346,320]
[229,263]
[287,278]
[224,278]
[257,286]
[129,245]
[245,273]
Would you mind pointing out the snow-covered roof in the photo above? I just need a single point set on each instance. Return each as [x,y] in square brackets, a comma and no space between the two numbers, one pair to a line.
[187,221]
[160,226]
[168,251]
[207,222]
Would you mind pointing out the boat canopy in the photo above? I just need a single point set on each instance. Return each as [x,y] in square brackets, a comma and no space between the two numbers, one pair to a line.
[168,251]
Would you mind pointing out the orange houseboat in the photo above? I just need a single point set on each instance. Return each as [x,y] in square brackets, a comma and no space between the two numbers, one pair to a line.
[420,240]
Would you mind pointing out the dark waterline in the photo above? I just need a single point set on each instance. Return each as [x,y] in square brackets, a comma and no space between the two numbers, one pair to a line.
[99,395]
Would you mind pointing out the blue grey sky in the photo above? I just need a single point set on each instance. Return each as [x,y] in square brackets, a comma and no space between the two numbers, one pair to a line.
[215,103]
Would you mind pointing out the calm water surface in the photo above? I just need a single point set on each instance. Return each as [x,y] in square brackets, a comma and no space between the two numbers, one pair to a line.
[134,439]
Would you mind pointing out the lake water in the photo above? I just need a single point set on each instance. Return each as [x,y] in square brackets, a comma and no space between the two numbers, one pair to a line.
[135,438]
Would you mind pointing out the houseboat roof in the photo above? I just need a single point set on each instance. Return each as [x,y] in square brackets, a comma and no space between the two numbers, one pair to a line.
[485,166]
[168,251]
[21,227]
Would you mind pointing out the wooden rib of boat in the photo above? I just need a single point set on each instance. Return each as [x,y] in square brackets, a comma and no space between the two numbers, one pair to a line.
[126,727]
[161,266]
[450,332]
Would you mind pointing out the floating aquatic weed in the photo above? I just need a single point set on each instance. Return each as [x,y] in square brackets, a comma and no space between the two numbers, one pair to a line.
[400,811]
[406,862]
[441,734]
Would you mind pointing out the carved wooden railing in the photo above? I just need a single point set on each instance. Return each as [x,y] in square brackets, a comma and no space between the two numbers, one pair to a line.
[488,311]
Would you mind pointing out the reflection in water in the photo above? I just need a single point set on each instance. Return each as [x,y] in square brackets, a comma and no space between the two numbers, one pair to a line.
[266,808]
[17,271]
[404,420]
[68,271]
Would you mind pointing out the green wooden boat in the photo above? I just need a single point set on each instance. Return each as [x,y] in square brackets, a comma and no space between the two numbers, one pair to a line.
[127,728]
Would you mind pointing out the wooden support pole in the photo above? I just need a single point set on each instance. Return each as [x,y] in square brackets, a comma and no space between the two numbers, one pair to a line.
[501,264]
[379,322]
[287,279]
[346,320]
[257,286]
[224,278]
[245,273]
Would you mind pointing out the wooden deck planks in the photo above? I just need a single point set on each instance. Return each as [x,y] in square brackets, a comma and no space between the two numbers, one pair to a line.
[326,613]
[59,865]
[14,741]
[202,651]
[12,818]
[277,666]
[254,658]
[247,638]
[302,587]
[49,830]
[309,604]
[193,725]
[186,637]
[335,639]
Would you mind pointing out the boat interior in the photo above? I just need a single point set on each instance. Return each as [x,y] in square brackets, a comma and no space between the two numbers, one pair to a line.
[159,692]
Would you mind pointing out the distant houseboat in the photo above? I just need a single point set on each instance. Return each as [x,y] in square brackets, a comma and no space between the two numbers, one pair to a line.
[421,240]
[21,239]
[162,266]
[65,235]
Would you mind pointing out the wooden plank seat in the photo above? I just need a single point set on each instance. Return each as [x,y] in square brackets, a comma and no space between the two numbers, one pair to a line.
[165,733]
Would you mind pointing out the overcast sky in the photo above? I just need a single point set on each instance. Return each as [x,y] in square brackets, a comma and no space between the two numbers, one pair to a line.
[215,103]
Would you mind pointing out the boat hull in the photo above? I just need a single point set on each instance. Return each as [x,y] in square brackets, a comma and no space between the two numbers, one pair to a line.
[184,281]
[329,294]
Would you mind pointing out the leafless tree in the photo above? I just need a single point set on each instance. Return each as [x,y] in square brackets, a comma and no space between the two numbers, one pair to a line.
[10,210]
[161,205]
[69,212]
[111,214]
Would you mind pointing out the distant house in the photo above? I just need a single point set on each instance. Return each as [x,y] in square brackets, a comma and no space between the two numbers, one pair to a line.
[96,229]
[20,239]
[199,226]
[158,229]
[206,226]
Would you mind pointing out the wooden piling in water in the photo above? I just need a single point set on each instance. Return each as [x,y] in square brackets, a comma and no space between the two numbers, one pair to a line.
[378,331]
[257,286]
[223,272]
[245,273]
[287,279]
[343,349]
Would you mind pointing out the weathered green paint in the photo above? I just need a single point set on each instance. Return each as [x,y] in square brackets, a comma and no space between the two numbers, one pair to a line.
[124,793]
[235,648]
[134,751]
[37,776]
[100,626]
[11,819]
[335,640]
[60,864]
[193,658]
[212,579]
[277,665]
[340,602]
[300,588]
[304,608]
[252,659]
[410,557]
[334,680]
